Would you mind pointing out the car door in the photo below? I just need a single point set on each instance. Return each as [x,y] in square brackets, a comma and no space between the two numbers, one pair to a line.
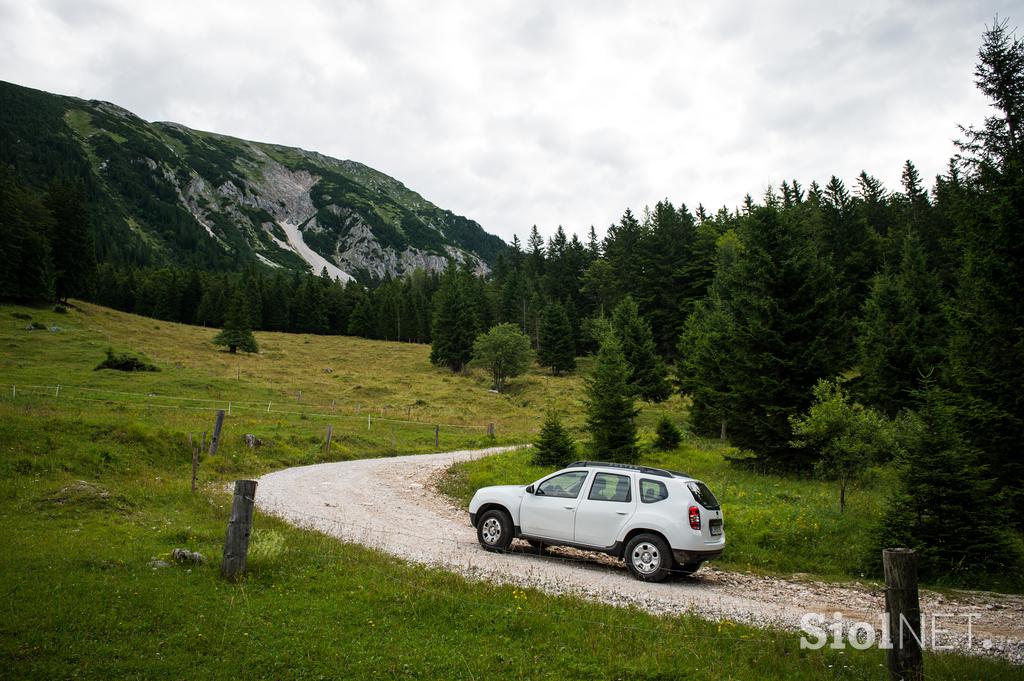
[607,507]
[549,512]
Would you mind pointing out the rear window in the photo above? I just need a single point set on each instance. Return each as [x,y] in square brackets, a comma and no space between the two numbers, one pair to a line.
[703,496]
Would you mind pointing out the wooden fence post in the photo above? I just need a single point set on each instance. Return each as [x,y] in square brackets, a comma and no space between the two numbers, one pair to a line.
[215,440]
[490,430]
[236,543]
[437,436]
[327,444]
[722,434]
[905,660]
[195,466]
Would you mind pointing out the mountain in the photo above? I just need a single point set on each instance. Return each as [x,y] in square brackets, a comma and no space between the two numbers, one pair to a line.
[164,193]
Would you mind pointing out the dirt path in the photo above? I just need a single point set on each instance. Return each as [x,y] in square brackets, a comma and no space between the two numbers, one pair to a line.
[390,504]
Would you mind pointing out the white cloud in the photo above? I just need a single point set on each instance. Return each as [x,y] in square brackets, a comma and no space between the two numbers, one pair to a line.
[530,112]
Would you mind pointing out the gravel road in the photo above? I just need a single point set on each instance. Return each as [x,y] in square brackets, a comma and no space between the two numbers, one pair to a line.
[391,504]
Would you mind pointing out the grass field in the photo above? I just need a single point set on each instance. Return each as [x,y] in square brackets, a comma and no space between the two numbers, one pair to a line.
[94,486]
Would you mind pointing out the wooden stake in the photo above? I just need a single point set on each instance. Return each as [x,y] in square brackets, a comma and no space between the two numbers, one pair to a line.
[721,436]
[215,440]
[327,444]
[437,436]
[195,465]
[490,430]
[236,542]
[367,421]
[904,658]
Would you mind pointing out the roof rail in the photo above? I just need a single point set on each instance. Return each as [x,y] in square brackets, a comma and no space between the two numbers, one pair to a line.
[660,472]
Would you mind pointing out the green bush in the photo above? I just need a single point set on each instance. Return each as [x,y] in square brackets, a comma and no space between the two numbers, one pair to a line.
[554,445]
[125,362]
[668,435]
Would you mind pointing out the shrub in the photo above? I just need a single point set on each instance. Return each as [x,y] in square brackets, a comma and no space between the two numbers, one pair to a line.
[668,435]
[125,362]
[554,445]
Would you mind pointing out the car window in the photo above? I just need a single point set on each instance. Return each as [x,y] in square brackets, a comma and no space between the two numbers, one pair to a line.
[565,485]
[652,491]
[610,487]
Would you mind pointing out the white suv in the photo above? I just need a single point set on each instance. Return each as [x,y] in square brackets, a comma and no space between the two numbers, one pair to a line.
[658,521]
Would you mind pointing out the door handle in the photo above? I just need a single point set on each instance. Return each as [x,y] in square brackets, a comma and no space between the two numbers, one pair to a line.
[570,508]
[622,513]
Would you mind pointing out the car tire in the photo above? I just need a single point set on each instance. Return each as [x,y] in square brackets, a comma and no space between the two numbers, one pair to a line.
[648,558]
[494,530]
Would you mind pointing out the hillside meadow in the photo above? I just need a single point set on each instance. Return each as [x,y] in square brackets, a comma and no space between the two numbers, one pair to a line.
[94,487]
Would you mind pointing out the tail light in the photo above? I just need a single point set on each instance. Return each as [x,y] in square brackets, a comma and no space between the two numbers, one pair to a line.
[694,518]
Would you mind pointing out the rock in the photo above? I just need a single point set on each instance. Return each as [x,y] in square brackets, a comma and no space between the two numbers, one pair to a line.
[186,556]
[157,564]
[252,442]
[328,370]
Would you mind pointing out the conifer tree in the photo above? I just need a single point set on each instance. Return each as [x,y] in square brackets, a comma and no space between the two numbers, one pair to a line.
[935,509]
[237,332]
[986,355]
[557,349]
[554,445]
[609,405]
[71,241]
[902,332]
[455,321]
[667,434]
[770,330]
[648,376]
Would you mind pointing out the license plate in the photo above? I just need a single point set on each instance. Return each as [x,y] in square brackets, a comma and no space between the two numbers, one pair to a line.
[716,527]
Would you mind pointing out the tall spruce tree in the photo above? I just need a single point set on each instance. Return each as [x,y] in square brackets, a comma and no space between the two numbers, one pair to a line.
[986,354]
[902,331]
[237,332]
[71,241]
[954,535]
[648,376]
[455,321]
[26,266]
[774,311]
[557,348]
[609,405]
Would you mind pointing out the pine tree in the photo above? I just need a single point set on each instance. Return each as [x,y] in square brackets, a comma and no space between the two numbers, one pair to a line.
[455,321]
[237,332]
[361,322]
[554,446]
[609,405]
[667,434]
[26,266]
[770,329]
[902,332]
[935,509]
[71,240]
[557,349]
[648,376]
[986,356]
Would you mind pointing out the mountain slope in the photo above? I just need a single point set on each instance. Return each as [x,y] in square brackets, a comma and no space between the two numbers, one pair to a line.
[162,192]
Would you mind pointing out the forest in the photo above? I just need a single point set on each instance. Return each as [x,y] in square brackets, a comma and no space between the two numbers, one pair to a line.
[899,305]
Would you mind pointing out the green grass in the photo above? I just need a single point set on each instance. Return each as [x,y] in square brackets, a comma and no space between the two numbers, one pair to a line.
[92,491]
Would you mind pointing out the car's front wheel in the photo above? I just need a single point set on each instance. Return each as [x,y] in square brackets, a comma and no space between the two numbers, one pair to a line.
[494,531]
[648,558]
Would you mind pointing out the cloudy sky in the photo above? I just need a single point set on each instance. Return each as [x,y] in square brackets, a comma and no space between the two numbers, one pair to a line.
[525,112]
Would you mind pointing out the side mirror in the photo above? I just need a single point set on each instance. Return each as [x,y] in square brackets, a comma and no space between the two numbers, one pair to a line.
[529,490]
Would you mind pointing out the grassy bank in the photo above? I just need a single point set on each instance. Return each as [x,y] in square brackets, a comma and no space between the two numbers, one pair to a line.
[94,488]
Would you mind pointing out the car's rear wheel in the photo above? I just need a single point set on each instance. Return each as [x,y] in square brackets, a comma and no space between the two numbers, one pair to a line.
[648,558]
[494,531]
